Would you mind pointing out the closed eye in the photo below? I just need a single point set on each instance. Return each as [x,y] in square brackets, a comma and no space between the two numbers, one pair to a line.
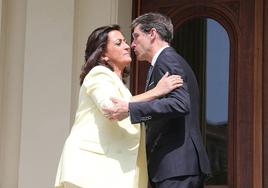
[118,42]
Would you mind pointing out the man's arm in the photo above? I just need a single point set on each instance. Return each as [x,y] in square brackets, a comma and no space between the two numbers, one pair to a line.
[165,85]
[119,111]
[146,110]
[175,103]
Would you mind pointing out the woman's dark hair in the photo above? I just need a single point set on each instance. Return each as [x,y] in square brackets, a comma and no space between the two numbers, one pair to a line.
[96,46]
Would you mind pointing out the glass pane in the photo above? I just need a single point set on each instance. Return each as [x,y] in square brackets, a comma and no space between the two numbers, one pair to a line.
[217,78]
[204,43]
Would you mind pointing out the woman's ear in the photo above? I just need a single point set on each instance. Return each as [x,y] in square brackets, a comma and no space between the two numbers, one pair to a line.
[106,59]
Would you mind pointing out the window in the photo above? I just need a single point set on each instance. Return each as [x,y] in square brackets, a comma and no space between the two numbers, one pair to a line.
[205,45]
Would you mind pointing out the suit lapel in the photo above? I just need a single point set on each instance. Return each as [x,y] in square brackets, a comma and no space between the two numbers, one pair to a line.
[150,71]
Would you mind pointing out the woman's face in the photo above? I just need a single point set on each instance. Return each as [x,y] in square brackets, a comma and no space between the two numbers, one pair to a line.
[118,51]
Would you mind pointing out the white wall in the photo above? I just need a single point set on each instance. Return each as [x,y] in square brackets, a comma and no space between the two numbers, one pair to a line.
[90,15]
[1,89]
[12,59]
[0,14]
[41,52]
[46,88]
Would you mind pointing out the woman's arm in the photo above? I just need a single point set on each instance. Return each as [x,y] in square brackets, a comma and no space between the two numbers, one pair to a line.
[165,85]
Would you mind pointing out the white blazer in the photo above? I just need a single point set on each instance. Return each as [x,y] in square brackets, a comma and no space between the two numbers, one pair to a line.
[100,153]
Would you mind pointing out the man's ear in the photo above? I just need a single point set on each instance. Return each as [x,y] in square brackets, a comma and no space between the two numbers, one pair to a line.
[153,33]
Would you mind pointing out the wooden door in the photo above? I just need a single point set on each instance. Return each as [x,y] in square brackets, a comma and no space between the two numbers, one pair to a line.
[240,19]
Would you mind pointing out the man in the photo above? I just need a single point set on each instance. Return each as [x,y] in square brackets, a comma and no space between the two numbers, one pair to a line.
[175,152]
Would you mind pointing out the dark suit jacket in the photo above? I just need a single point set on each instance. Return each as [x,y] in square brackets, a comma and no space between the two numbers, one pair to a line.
[173,139]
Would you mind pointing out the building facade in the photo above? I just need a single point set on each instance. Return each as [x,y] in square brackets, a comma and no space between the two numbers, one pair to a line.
[41,53]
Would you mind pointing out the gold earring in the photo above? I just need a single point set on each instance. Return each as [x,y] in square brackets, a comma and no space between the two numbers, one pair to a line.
[106,59]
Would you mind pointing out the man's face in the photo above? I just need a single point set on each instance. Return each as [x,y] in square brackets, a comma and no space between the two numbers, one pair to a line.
[141,44]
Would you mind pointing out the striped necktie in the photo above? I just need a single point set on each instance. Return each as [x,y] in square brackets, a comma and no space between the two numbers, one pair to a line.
[148,76]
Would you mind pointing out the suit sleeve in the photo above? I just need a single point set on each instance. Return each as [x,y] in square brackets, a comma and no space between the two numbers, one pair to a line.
[101,86]
[176,103]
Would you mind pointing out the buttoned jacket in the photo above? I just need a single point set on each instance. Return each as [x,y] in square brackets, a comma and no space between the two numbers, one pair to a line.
[173,138]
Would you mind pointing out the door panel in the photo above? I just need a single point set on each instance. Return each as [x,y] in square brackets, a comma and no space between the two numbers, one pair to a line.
[204,43]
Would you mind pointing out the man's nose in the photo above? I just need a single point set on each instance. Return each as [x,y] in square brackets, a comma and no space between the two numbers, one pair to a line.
[133,45]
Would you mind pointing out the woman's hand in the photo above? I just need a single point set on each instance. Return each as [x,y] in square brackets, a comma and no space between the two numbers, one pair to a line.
[167,83]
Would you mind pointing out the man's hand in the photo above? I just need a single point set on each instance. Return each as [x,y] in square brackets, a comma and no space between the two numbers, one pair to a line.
[118,112]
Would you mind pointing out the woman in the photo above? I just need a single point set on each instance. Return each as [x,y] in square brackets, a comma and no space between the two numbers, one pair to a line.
[100,153]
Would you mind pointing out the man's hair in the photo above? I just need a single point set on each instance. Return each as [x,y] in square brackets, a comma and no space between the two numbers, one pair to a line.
[160,22]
